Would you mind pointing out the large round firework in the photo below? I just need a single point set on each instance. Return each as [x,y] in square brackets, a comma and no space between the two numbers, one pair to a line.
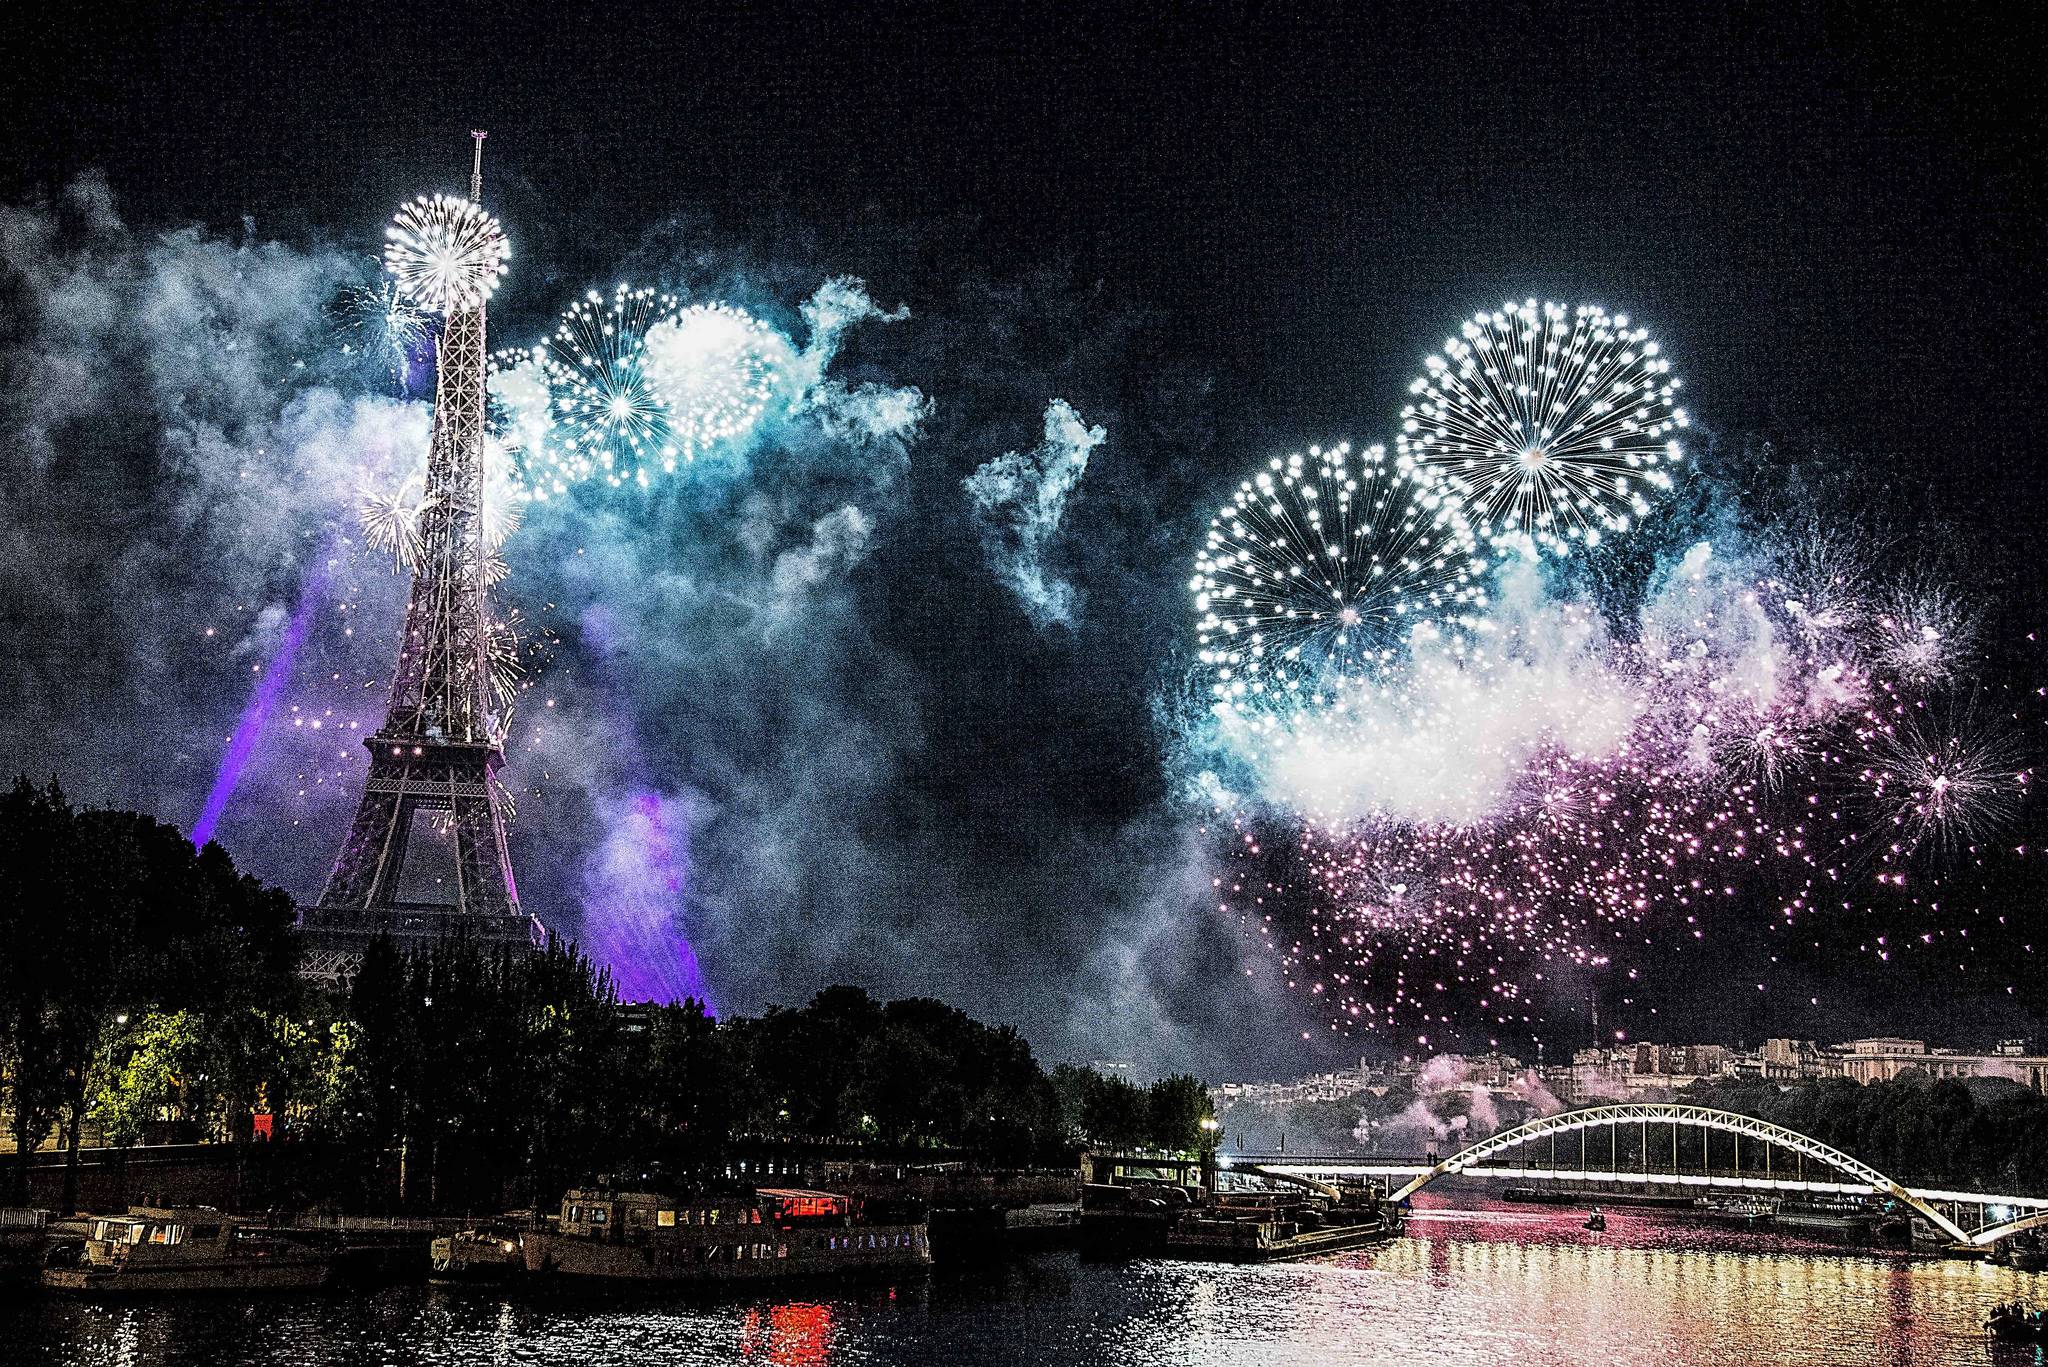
[446,253]
[608,420]
[714,366]
[1554,423]
[1321,567]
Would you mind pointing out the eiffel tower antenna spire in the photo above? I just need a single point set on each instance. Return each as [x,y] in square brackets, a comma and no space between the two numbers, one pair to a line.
[476,167]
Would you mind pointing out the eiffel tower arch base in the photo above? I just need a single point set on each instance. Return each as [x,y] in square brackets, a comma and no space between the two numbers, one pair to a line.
[361,901]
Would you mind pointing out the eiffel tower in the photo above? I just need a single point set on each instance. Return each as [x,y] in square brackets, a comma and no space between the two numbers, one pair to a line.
[441,743]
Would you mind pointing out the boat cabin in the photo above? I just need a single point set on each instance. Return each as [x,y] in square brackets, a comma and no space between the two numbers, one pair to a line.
[615,1216]
[114,1237]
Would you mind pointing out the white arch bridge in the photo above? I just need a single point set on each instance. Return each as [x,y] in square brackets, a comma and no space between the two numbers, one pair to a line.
[1650,1133]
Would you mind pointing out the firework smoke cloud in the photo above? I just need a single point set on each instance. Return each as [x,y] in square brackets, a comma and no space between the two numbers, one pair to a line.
[1019,500]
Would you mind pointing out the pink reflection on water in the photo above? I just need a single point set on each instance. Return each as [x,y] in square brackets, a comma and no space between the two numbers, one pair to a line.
[1530,1284]
[796,1334]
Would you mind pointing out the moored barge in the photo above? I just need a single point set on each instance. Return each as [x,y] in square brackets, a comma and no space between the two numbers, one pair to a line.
[1133,1214]
[1256,1228]
[630,1236]
[148,1251]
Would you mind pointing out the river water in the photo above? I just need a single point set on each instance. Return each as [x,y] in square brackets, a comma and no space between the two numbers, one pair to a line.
[1498,1284]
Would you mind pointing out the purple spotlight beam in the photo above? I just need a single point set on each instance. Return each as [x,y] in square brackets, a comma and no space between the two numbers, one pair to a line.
[269,684]
[633,901]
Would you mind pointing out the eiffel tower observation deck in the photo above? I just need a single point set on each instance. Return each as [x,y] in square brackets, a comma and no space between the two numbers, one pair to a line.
[425,855]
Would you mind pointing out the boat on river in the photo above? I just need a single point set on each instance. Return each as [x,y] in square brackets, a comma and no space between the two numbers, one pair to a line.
[2016,1323]
[634,1236]
[185,1249]
[1740,1212]
[485,1254]
[1148,1218]
[1259,1228]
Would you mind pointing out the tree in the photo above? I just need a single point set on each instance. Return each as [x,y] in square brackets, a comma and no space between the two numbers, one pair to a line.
[146,1069]
[43,983]
[701,1090]
[1104,1111]
[1176,1107]
[111,915]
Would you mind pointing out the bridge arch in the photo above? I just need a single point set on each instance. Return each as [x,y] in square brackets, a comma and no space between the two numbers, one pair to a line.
[1991,1234]
[1704,1117]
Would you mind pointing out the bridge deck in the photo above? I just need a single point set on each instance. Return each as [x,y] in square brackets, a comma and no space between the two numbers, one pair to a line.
[2011,1211]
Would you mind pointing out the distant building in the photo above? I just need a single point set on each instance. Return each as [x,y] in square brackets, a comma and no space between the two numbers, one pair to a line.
[1335,1086]
[1883,1044]
[1882,1060]
[1790,1060]
[1648,1071]
[1579,1083]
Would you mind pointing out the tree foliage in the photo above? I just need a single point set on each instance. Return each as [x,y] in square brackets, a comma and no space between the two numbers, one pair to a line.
[1110,1112]
[149,988]
[108,919]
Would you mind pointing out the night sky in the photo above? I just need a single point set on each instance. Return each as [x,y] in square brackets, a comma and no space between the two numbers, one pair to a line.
[1219,234]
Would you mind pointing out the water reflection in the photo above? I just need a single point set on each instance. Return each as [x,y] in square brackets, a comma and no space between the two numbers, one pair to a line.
[1500,1284]
[794,1335]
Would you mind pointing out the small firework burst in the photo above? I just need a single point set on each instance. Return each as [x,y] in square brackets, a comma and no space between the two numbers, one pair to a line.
[391,522]
[384,324]
[1942,775]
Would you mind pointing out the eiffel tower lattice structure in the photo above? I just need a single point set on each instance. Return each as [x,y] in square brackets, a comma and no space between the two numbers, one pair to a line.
[441,743]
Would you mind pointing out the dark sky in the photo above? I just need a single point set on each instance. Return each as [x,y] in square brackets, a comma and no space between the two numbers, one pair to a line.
[1810,201]
[1220,231]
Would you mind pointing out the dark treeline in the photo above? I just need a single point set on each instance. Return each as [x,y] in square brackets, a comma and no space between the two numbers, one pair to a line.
[116,938]
[1985,1135]
[148,994]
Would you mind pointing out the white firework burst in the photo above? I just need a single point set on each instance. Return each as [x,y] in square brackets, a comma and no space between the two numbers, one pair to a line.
[1943,776]
[1765,749]
[391,522]
[501,511]
[504,660]
[1922,634]
[1555,424]
[446,253]
[1821,579]
[386,325]
[714,367]
[609,421]
[1320,567]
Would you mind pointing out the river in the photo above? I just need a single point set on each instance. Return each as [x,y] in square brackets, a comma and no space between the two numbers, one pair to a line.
[1498,1284]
